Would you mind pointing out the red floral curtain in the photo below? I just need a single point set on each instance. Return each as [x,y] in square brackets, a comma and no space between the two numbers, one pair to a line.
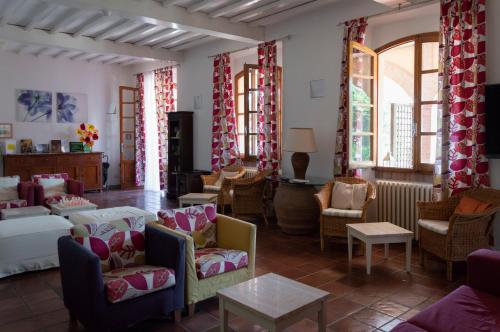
[461,162]
[354,30]
[224,140]
[165,102]
[268,148]
[140,133]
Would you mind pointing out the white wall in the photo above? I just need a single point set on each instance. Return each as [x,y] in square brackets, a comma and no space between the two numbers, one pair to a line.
[99,82]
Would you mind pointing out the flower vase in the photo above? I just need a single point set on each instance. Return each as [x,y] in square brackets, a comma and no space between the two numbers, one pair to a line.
[87,148]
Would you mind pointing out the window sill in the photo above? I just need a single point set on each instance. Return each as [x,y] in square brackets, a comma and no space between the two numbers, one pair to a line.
[401,170]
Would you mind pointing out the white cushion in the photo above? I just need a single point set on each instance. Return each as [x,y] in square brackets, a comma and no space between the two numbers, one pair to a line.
[110,214]
[342,213]
[437,226]
[358,195]
[341,196]
[52,187]
[224,174]
[211,188]
[8,188]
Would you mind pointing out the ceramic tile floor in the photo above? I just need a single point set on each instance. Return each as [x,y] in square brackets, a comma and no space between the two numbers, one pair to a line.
[33,301]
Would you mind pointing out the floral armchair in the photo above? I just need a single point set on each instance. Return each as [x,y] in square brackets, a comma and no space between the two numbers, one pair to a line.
[51,188]
[118,274]
[220,250]
[220,183]
[15,193]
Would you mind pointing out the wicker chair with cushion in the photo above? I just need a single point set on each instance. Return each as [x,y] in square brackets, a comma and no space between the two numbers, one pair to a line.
[247,196]
[452,236]
[333,221]
[220,250]
[220,183]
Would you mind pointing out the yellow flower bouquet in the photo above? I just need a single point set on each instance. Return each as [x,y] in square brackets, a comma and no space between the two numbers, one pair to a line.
[88,135]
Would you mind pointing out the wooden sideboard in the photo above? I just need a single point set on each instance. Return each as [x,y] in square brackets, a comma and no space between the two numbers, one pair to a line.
[85,167]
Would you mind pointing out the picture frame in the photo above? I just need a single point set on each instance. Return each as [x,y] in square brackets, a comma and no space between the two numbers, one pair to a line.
[26,145]
[75,147]
[42,148]
[55,146]
[6,130]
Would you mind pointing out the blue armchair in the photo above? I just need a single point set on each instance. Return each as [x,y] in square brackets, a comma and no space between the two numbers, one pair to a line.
[85,293]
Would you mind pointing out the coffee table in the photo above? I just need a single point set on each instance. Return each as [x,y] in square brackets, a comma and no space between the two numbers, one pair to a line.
[197,199]
[272,301]
[66,211]
[23,212]
[379,233]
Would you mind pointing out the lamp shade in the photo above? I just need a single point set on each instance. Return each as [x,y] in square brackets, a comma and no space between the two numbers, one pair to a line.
[300,140]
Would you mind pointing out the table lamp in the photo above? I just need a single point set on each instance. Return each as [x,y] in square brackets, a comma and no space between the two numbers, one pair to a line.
[300,141]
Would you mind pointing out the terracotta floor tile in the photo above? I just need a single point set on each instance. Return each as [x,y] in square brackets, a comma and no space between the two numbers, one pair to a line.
[409,314]
[392,324]
[14,314]
[54,317]
[45,306]
[242,325]
[407,299]
[305,325]
[336,288]
[200,322]
[372,317]
[349,325]
[24,325]
[11,303]
[390,308]
[339,308]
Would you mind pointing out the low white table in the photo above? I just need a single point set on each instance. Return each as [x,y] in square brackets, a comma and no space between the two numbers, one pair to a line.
[23,212]
[66,211]
[197,199]
[110,214]
[272,301]
[379,233]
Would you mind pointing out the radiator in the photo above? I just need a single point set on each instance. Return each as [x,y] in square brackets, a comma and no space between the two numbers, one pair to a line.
[396,202]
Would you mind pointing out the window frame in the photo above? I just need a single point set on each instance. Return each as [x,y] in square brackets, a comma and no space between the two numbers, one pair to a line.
[418,39]
[245,73]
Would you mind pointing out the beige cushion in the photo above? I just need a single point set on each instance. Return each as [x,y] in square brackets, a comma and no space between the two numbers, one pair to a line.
[341,196]
[224,174]
[208,187]
[358,195]
[8,188]
[331,212]
[52,187]
[437,226]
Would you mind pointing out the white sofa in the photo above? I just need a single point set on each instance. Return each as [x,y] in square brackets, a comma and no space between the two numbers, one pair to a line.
[106,215]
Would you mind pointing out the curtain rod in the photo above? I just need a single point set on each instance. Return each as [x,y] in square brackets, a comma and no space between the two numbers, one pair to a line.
[397,10]
[250,47]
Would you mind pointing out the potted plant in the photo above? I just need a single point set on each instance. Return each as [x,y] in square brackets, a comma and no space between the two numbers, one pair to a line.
[88,135]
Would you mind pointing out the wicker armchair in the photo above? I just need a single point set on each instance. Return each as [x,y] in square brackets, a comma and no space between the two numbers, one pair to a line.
[335,226]
[247,196]
[210,184]
[452,236]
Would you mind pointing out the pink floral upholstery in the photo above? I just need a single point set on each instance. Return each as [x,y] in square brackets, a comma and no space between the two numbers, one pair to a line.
[56,199]
[37,177]
[127,283]
[213,261]
[16,203]
[118,245]
[197,221]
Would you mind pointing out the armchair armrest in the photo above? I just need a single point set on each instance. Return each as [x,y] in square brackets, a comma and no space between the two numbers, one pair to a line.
[26,191]
[237,234]
[323,197]
[483,271]
[81,277]
[75,187]
[167,250]
[39,194]
[209,180]
[441,210]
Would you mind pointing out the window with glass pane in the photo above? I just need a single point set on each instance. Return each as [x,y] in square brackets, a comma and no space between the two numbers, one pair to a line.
[246,97]
[362,108]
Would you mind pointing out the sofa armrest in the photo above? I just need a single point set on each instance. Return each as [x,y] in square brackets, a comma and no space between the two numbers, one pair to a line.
[81,278]
[483,271]
[323,197]
[74,187]
[26,191]
[39,194]
[167,250]
[237,234]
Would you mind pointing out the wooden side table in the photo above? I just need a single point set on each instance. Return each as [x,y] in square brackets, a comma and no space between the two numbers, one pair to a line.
[379,233]
[272,301]
[197,199]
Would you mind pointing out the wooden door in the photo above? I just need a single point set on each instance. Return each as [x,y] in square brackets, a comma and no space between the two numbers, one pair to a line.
[128,97]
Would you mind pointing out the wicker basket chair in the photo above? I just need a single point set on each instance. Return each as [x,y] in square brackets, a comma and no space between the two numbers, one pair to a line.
[460,234]
[335,226]
[210,184]
[247,196]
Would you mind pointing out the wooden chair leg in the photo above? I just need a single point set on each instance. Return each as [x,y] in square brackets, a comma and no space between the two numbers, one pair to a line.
[191,309]
[449,270]
[177,316]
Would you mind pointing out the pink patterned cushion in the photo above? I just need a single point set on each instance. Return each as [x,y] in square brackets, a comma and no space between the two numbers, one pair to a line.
[127,283]
[15,203]
[191,220]
[37,177]
[118,244]
[213,261]
[57,198]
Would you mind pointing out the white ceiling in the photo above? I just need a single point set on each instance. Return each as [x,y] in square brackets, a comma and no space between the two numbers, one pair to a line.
[131,31]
